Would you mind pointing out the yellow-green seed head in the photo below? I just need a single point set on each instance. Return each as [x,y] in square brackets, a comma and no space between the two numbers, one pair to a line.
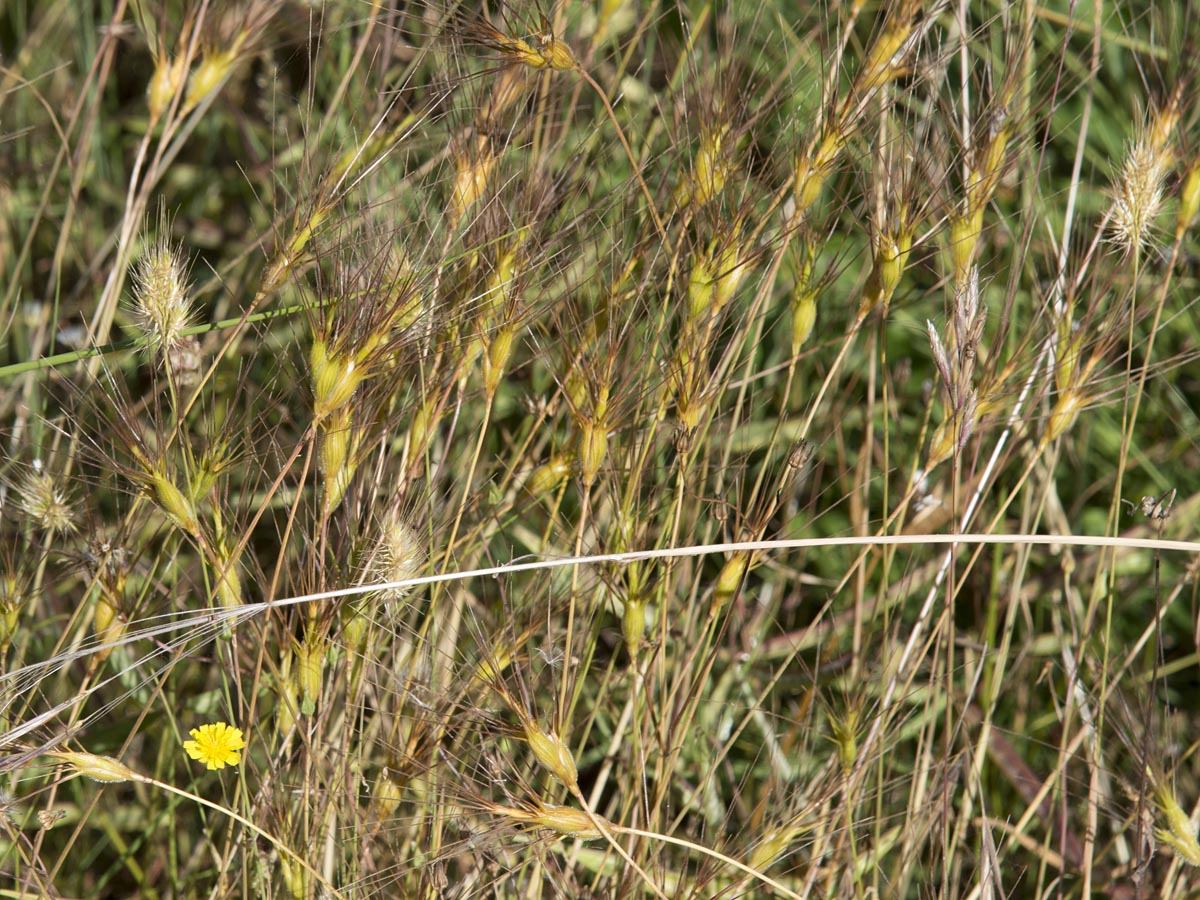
[208,76]
[386,794]
[730,578]
[165,83]
[552,753]
[174,503]
[335,377]
[550,475]
[337,439]
[310,658]
[593,447]
[1189,199]
[14,596]
[566,820]
[844,728]
[495,360]
[1178,833]
[633,624]
[804,316]
[1063,416]
[104,769]
[297,878]
[964,238]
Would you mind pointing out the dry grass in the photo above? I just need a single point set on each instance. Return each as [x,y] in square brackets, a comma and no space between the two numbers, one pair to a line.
[613,449]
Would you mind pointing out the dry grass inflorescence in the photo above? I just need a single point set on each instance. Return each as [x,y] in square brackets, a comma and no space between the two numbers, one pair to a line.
[599,449]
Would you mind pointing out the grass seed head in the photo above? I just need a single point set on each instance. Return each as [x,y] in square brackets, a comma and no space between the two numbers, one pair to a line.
[1189,198]
[550,750]
[633,624]
[1138,193]
[335,377]
[398,555]
[46,504]
[1177,833]
[730,578]
[566,820]
[337,442]
[168,78]
[177,506]
[162,309]
[14,597]
[550,475]
[104,769]
[310,659]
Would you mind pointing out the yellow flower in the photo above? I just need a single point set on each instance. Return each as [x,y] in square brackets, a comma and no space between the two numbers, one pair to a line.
[216,745]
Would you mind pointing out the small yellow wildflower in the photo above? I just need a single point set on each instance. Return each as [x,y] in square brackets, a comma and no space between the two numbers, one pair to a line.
[216,745]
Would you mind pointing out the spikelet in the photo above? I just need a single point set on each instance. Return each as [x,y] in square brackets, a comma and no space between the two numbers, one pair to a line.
[1189,198]
[633,624]
[337,445]
[1178,833]
[46,504]
[162,308]
[168,78]
[1138,193]
[310,659]
[174,503]
[335,377]
[14,597]
[550,750]
[891,255]
[730,578]
[225,570]
[104,769]
[397,555]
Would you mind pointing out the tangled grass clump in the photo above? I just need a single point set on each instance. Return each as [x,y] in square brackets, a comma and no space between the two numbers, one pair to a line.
[599,449]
